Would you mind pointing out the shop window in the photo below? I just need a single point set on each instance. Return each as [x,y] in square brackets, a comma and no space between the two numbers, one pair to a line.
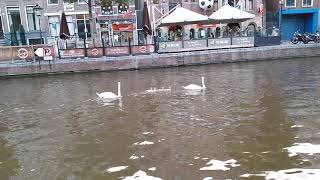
[217,32]
[53,1]
[307,3]
[191,34]
[33,20]
[201,33]
[290,3]
[251,29]
[231,2]
[210,33]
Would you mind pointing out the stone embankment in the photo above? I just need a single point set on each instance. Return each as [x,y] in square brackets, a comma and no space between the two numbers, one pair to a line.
[284,51]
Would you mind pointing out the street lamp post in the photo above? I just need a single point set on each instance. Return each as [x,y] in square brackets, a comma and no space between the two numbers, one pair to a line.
[38,11]
[280,17]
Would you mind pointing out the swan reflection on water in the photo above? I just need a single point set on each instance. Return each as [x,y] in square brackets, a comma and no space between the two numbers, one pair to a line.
[194,93]
[110,102]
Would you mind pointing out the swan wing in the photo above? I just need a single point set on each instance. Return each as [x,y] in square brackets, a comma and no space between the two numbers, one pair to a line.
[107,95]
[192,87]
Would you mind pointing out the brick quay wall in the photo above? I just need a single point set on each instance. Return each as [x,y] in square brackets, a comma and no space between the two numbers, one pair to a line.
[287,51]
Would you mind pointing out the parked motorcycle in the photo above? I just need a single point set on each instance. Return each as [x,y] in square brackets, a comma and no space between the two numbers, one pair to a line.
[298,37]
[312,37]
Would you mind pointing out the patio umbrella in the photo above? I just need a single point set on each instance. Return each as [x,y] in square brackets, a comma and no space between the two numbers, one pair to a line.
[228,14]
[183,16]
[146,21]
[64,30]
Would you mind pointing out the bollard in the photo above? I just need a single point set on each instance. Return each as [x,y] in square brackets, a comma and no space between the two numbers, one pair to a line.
[103,50]
[85,48]
[129,46]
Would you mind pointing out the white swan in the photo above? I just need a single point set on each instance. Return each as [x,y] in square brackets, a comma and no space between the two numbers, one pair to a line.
[155,90]
[195,87]
[111,95]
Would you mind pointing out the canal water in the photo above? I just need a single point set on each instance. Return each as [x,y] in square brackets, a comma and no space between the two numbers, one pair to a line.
[257,120]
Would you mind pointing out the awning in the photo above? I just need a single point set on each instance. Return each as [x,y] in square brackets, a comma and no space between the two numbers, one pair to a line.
[183,16]
[67,13]
[122,27]
[228,14]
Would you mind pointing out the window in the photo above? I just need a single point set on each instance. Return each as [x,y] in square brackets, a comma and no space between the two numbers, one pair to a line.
[215,5]
[82,1]
[307,3]
[122,8]
[250,5]
[14,18]
[32,19]
[54,25]
[34,41]
[83,24]
[155,1]
[107,10]
[53,1]
[70,25]
[231,2]
[290,3]
[1,29]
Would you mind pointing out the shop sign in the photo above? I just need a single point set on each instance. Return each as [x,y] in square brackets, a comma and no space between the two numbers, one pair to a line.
[173,46]
[195,44]
[151,48]
[243,41]
[219,43]
[5,54]
[45,51]
[117,51]
[22,53]
[72,53]
[122,27]
[142,49]
[206,26]
[95,52]
[68,6]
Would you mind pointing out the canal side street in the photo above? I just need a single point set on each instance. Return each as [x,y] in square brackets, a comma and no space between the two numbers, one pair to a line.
[154,60]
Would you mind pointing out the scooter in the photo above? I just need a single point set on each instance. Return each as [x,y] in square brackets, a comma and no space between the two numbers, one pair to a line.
[298,37]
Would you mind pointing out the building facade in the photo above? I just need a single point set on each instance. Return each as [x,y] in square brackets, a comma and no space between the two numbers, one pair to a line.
[18,16]
[118,24]
[298,15]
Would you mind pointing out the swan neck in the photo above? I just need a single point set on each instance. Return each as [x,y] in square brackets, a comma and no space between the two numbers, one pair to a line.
[119,89]
[203,85]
